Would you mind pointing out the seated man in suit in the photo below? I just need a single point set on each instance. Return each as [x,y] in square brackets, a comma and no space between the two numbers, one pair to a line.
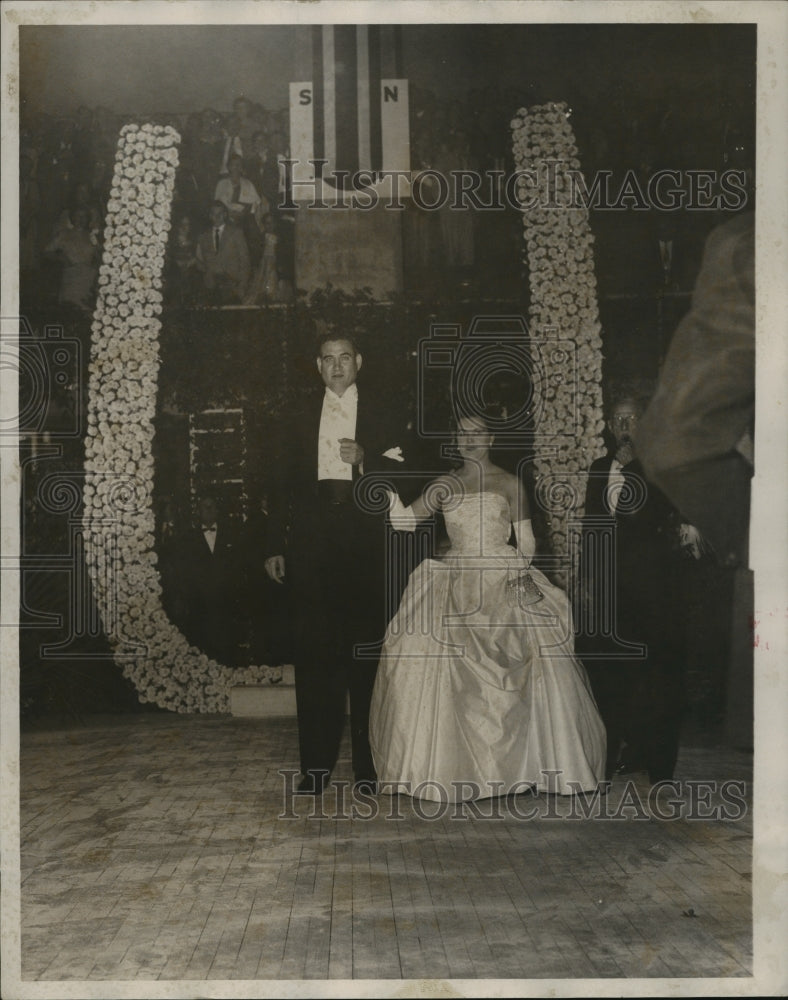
[223,257]
[204,579]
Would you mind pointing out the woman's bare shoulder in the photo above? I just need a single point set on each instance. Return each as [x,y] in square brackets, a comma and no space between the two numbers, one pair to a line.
[513,488]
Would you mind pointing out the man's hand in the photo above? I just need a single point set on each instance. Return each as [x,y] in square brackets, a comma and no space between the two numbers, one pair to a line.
[625,453]
[275,568]
[693,543]
[350,451]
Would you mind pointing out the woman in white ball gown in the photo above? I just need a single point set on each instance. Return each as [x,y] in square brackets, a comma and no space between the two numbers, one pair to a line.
[478,691]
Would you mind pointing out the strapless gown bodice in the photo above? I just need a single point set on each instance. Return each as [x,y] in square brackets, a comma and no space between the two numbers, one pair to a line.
[478,524]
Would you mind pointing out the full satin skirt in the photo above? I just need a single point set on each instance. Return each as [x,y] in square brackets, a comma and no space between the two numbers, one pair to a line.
[478,696]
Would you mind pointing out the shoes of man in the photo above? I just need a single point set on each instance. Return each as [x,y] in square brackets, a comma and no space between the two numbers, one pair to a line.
[366,786]
[627,767]
[630,762]
[311,784]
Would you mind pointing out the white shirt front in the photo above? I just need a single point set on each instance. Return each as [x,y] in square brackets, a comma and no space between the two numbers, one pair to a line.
[247,194]
[615,482]
[210,537]
[337,420]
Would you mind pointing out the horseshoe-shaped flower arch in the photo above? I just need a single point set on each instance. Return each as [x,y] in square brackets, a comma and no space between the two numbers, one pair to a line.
[118,517]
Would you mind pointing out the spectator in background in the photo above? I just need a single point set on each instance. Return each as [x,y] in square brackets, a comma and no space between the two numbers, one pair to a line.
[264,286]
[206,155]
[183,269]
[77,253]
[278,193]
[56,174]
[262,169]
[236,190]
[82,198]
[243,123]
[100,179]
[32,139]
[106,126]
[243,204]
[187,195]
[84,142]
[223,258]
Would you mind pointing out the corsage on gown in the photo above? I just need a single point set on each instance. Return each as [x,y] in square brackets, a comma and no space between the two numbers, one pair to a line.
[478,691]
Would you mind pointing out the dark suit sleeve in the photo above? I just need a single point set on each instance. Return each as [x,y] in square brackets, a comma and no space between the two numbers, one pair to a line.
[379,431]
[240,258]
[203,251]
[293,462]
[280,487]
[595,488]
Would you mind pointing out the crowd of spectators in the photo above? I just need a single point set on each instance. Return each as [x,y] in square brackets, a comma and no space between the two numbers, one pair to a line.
[233,242]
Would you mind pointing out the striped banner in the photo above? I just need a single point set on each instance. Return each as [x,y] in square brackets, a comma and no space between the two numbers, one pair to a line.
[348,115]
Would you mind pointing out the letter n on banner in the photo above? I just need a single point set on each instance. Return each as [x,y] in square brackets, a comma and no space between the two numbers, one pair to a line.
[394,124]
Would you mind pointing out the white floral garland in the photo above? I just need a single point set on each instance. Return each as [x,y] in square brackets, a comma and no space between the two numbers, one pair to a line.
[118,513]
[563,307]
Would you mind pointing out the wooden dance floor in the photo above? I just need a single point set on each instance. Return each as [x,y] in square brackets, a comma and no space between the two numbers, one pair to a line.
[163,847]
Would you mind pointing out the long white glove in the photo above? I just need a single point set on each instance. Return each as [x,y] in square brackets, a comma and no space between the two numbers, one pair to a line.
[526,542]
[401,517]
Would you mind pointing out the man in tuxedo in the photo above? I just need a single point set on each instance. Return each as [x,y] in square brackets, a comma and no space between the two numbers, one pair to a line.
[330,553]
[204,581]
[633,588]
[223,257]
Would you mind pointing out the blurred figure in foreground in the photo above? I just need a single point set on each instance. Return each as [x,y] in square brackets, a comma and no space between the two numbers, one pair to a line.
[696,437]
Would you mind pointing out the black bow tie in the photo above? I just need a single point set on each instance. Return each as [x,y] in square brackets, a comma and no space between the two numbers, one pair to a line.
[210,527]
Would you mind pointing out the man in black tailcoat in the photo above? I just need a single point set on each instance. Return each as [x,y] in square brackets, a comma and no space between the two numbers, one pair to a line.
[631,623]
[204,576]
[330,553]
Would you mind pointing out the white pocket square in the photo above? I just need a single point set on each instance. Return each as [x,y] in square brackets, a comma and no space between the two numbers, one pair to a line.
[395,454]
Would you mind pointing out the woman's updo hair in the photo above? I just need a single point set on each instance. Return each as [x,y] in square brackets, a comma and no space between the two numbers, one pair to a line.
[492,415]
